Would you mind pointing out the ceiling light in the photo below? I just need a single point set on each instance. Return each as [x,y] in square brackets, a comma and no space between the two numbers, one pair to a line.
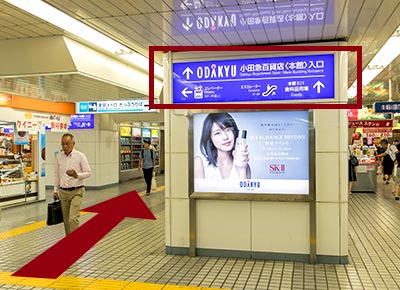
[142,61]
[77,28]
[389,51]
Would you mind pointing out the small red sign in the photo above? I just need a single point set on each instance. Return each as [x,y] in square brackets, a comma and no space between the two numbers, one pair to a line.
[370,123]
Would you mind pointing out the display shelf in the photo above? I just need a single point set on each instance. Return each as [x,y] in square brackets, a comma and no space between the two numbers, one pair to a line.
[131,147]
[155,141]
[125,149]
[136,147]
[10,171]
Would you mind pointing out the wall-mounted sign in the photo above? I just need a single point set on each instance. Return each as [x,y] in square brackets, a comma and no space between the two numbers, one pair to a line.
[304,77]
[35,122]
[132,106]
[387,107]
[271,158]
[82,121]
[207,16]
[7,130]
[370,124]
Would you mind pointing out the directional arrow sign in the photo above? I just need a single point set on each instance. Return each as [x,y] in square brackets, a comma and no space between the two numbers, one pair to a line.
[283,78]
[188,72]
[188,24]
[53,262]
[185,92]
[318,85]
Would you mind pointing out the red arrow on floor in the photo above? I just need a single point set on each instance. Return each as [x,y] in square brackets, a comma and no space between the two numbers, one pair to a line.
[53,262]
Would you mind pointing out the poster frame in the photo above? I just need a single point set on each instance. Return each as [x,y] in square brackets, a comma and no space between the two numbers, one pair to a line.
[255,196]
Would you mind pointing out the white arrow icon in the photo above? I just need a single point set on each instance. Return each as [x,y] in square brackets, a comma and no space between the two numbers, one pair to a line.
[185,92]
[188,24]
[185,5]
[318,85]
[187,71]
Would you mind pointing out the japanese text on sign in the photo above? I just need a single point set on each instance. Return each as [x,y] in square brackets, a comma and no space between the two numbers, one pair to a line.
[300,77]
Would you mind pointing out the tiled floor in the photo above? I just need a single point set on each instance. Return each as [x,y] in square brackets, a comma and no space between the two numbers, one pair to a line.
[132,255]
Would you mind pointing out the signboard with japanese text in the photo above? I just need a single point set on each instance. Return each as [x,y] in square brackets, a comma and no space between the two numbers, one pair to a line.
[36,122]
[225,16]
[274,150]
[94,107]
[370,124]
[284,78]
[82,121]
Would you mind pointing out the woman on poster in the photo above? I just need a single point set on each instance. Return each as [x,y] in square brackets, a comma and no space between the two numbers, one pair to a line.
[224,150]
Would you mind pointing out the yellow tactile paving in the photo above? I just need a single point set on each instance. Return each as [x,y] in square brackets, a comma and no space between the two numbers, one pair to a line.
[140,286]
[41,224]
[22,230]
[76,283]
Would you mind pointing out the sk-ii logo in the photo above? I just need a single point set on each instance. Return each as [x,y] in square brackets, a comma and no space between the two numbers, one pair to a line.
[277,168]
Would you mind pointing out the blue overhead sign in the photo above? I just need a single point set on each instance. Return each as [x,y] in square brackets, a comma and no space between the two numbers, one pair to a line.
[289,78]
[216,16]
[82,121]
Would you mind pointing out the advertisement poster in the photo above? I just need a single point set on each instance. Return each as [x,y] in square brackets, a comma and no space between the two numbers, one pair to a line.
[146,133]
[125,131]
[21,137]
[251,152]
[42,147]
[136,132]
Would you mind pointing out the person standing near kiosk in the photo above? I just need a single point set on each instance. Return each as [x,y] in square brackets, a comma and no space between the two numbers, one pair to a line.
[147,162]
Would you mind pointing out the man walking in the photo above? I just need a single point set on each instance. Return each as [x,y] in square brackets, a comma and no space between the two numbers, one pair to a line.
[71,168]
[147,162]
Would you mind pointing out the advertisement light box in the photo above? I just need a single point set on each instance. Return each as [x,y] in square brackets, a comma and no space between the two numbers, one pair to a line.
[251,152]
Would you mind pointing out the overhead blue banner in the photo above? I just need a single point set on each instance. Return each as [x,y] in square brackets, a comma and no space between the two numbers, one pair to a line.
[217,16]
[288,78]
[82,121]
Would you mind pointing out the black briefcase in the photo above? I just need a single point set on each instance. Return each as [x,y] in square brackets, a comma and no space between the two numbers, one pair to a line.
[54,213]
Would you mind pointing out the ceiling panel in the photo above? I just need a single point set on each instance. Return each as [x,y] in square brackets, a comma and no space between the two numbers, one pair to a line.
[142,6]
[108,7]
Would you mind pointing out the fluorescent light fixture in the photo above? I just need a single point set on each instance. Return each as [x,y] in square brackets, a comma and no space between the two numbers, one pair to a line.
[389,51]
[68,23]
[142,61]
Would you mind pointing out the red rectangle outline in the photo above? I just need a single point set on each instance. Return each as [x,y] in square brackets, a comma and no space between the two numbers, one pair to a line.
[357,105]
